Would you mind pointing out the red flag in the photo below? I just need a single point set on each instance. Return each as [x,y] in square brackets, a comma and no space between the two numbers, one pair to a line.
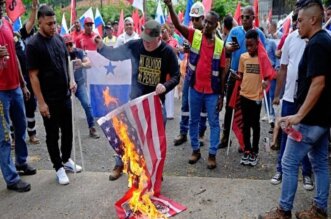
[267,71]
[14,9]
[135,17]
[73,13]
[144,133]
[286,26]
[237,13]
[270,15]
[180,16]
[256,10]
[207,4]
[121,24]
[237,124]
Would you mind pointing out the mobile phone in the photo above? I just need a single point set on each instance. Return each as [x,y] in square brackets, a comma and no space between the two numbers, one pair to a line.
[235,40]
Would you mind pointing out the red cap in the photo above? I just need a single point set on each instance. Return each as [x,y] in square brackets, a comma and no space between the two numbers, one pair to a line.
[68,38]
[88,20]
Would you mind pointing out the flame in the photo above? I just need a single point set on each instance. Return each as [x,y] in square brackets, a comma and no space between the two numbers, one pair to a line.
[108,99]
[135,167]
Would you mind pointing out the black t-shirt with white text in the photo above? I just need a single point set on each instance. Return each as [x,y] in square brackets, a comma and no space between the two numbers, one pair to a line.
[316,61]
[148,68]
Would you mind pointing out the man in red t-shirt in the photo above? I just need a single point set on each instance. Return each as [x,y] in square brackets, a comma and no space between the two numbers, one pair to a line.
[206,82]
[77,30]
[11,102]
[85,41]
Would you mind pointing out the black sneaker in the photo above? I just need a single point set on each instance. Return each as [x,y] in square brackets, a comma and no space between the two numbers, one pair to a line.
[276,179]
[20,186]
[180,139]
[244,158]
[252,159]
[308,183]
[26,170]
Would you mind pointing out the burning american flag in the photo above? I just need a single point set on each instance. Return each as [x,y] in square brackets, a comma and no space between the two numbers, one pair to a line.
[136,132]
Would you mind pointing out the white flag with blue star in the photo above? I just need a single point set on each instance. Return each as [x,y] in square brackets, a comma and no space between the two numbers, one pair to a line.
[108,82]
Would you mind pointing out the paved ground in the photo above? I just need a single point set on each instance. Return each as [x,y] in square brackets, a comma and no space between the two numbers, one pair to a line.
[230,191]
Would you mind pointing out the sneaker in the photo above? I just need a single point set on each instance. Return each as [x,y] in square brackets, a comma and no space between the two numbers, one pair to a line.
[211,163]
[34,140]
[180,139]
[116,173]
[70,166]
[93,133]
[264,118]
[313,213]
[26,170]
[244,158]
[224,142]
[252,159]
[62,177]
[20,186]
[308,183]
[276,214]
[276,179]
[196,155]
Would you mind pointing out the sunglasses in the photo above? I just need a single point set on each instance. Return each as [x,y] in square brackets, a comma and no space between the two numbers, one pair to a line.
[246,17]
[69,44]
[89,24]
[196,19]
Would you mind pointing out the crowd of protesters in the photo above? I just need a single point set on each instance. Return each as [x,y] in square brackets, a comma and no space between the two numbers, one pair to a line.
[213,60]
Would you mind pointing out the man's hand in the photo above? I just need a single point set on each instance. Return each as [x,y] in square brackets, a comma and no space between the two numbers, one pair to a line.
[220,103]
[167,2]
[73,87]
[26,93]
[265,84]
[232,47]
[160,89]
[44,111]
[276,101]
[291,120]
[78,64]
[3,51]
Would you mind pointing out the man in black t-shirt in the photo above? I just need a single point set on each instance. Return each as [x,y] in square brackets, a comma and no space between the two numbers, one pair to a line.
[47,61]
[312,119]
[152,60]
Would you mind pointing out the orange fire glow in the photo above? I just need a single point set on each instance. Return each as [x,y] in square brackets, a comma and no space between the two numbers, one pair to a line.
[135,167]
[108,99]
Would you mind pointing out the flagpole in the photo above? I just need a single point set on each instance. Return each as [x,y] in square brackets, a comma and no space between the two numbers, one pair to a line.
[266,105]
[327,23]
[230,134]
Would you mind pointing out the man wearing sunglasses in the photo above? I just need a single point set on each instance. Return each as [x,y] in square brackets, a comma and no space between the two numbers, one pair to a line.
[236,49]
[86,40]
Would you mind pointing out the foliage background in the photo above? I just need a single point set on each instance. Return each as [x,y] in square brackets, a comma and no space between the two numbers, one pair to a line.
[112,11]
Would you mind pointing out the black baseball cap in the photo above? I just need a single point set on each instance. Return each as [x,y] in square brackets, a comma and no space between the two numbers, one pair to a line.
[152,30]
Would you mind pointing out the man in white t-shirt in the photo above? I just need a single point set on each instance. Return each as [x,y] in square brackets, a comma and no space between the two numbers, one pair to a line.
[292,52]
[128,34]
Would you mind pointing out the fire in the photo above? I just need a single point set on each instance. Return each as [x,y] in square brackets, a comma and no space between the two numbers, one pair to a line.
[108,99]
[135,167]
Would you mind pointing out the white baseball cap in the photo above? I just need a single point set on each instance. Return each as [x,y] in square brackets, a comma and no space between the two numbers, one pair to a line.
[197,10]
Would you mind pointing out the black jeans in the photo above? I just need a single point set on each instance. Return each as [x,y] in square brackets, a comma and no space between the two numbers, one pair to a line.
[60,119]
[251,110]
[30,108]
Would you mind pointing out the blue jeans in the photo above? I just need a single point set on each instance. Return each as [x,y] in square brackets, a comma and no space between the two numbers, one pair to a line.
[314,143]
[197,101]
[11,102]
[288,109]
[81,94]
[185,117]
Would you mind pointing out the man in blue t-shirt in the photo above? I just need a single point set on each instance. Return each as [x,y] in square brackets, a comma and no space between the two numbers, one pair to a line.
[81,62]
[236,49]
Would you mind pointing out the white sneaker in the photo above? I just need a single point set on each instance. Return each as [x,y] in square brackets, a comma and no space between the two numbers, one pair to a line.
[62,177]
[70,166]
[264,118]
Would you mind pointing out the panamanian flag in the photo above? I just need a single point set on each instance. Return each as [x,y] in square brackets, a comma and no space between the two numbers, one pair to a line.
[109,83]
